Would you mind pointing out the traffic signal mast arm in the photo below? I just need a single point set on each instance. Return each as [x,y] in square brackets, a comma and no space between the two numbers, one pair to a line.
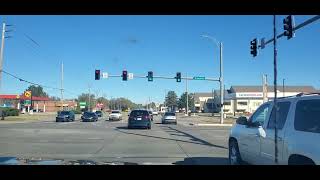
[167,77]
[309,21]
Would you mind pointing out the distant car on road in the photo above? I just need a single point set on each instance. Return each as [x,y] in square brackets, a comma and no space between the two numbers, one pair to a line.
[99,113]
[169,117]
[65,116]
[89,117]
[139,118]
[115,115]
[252,140]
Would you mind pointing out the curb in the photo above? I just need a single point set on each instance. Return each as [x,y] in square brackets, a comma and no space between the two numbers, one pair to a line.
[220,125]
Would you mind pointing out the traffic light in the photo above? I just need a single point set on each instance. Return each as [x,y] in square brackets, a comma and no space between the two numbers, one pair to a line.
[150,76]
[124,75]
[254,47]
[178,77]
[288,25]
[97,75]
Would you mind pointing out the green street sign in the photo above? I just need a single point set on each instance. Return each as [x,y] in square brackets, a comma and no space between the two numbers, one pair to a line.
[27,101]
[199,78]
[83,103]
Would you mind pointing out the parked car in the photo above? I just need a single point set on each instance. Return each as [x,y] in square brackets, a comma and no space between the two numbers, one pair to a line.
[115,115]
[65,116]
[151,114]
[99,113]
[89,117]
[139,118]
[169,117]
[252,140]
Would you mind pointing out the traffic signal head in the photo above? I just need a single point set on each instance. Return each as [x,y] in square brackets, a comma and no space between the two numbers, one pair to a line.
[124,75]
[150,76]
[254,47]
[178,77]
[288,25]
[97,74]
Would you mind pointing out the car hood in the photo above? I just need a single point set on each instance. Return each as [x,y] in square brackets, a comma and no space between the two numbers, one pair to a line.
[40,161]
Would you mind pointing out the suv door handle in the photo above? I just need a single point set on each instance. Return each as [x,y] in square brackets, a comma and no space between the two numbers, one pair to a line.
[255,135]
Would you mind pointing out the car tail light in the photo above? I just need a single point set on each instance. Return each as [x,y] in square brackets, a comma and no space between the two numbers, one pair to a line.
[146,117]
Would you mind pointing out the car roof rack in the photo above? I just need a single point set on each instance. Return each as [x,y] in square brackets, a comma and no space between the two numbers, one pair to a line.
[302,94]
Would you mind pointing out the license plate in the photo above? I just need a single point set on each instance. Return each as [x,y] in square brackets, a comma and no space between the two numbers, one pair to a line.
[138,118]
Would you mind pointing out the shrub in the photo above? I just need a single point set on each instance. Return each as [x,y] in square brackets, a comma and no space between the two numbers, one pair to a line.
[9,111]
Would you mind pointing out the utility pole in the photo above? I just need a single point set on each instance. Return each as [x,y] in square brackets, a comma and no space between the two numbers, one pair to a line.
[275,90]
[61,86]
[89,108]
[283,86]
[1,52]
[221,84]
[187,110]
[212,103]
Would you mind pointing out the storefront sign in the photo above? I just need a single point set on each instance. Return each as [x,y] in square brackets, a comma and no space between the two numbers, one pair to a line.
[249,95]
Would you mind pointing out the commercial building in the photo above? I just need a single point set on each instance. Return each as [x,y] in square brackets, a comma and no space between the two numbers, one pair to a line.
[246,99]
[39,104]
[202,101]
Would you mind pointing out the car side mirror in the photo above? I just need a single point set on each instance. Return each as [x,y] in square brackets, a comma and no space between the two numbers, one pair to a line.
[242,120]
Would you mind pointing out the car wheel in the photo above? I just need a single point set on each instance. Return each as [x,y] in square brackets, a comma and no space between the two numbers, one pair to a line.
[234,154]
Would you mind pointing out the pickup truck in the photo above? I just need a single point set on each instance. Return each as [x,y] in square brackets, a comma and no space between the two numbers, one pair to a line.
[298,133]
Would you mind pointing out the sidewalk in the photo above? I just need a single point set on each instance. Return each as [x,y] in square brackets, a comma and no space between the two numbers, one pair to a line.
[198,120]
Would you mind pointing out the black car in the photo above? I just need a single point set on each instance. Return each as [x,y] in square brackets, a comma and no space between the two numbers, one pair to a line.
[99,113]
[89,117]
[139,118]
[65,116]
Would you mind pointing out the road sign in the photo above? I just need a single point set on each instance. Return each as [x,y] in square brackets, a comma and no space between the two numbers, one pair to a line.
[83,103]
[199,78]
[130,75]
[82,107]
[27,102]
[27,94]
[105,75]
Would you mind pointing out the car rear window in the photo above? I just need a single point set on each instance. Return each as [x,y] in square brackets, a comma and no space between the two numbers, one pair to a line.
[89,114]
[169,114]
[64,113]
[139,113]
[307,116]
[115,112]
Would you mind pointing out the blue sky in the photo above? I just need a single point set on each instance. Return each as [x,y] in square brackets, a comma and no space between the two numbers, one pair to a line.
[165,45]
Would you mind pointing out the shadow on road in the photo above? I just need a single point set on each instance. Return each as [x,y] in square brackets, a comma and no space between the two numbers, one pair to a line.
[194,140]
[203,161]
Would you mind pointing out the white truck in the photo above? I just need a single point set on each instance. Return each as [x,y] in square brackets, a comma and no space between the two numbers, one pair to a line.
[298,125]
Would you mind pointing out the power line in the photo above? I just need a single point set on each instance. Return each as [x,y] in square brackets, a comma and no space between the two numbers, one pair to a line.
[23,80]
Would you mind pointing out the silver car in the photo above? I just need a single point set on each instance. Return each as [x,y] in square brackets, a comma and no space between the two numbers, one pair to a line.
[298,125]
[169,117]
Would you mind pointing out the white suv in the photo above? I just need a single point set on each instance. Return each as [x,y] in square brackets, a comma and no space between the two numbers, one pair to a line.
[298,124]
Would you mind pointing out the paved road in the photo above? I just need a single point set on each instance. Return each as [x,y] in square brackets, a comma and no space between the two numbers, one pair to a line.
[106,141]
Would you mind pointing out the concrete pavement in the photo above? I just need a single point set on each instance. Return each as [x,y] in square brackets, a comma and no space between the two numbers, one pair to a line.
[106,141]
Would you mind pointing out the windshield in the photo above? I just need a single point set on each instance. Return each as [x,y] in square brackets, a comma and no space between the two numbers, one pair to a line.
[160,89]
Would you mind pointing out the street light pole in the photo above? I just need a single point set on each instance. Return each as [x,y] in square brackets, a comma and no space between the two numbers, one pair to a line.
[1,51]
[220,45]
